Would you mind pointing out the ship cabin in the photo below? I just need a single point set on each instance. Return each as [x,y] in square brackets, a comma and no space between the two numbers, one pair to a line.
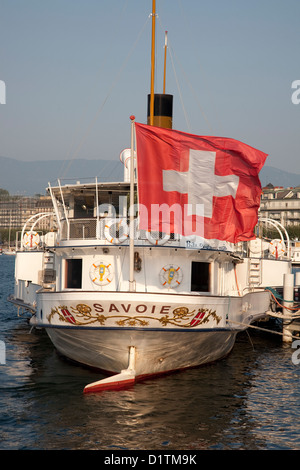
[89,250]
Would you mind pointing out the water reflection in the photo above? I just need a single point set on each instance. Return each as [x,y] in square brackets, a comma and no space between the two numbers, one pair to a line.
[273,399]
[214,407]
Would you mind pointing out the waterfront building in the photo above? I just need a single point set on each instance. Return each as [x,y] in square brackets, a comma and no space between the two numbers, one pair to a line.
[281,204]
[15,210]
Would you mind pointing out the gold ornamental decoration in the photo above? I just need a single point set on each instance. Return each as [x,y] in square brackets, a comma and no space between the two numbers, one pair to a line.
[83,314]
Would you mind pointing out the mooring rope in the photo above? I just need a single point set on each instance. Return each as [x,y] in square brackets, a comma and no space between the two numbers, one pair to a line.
[262,329]
[276,296]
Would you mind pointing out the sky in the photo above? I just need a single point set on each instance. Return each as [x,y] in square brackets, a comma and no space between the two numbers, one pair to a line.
[75,70]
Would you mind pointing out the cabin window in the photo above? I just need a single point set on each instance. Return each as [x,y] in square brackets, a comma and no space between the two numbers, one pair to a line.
[73,273]
[200,279]
[83,207]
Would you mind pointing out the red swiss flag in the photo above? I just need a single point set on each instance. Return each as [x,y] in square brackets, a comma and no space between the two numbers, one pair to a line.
[195,185]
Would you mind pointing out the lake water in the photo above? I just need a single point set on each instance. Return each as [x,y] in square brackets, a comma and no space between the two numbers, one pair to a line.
[247,401]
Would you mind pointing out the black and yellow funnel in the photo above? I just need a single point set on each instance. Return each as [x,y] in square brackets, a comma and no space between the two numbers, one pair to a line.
[163,110]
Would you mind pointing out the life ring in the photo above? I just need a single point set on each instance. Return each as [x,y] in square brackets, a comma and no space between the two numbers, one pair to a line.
[101,274]
[157,241]
[255,246]
[31,240]
[170,276]
[277,248]
[121,227]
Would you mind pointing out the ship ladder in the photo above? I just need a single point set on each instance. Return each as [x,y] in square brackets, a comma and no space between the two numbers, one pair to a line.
[49,274]
[254,272]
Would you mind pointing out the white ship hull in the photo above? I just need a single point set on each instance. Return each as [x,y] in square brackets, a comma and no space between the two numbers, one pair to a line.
[167,332]
[157,352]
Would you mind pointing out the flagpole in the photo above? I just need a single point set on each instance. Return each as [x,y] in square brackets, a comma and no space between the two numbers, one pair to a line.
[131,212]
[152,66]
[165,62]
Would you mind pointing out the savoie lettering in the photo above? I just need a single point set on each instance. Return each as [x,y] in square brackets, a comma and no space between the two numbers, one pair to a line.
[126,308]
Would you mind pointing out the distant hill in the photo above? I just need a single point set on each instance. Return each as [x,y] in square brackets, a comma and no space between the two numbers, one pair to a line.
[278,177]
[29,178]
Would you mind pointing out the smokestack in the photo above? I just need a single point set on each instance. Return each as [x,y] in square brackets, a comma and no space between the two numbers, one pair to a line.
[163,110]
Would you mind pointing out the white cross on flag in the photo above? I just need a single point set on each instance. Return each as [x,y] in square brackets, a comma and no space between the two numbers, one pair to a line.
[189,184]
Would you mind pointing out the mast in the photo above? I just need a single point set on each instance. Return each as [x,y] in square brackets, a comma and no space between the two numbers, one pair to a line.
[160,106]
[152,65]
